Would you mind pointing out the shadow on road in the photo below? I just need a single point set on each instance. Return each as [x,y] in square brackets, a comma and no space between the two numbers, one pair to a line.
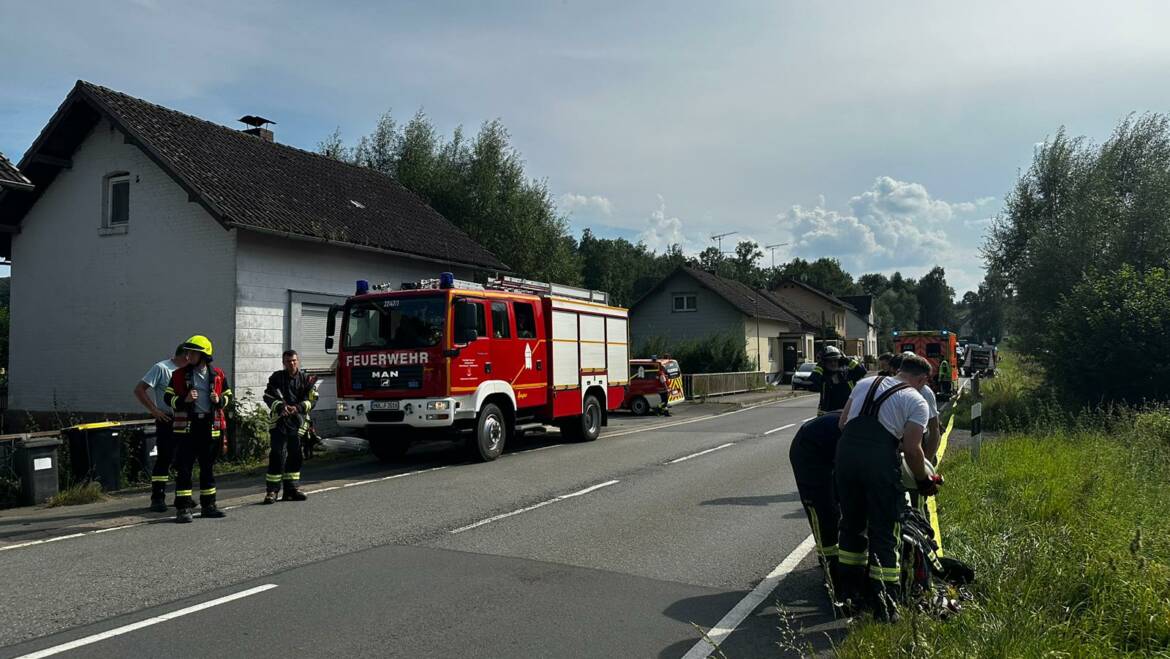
[754,501]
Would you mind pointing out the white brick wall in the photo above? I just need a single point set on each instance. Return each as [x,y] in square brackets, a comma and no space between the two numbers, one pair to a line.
[269,270]
[91,313]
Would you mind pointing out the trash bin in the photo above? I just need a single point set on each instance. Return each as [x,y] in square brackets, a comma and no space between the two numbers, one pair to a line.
[36,464]
[143,443]
[95,453]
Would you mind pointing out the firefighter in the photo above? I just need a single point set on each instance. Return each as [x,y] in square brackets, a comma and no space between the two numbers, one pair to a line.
[289,396]
[812,453]
[198,394]
[157,379]
[944,376]
[835,376]
[882,414]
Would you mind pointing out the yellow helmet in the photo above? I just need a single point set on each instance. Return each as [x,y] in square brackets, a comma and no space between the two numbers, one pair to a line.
[198,343]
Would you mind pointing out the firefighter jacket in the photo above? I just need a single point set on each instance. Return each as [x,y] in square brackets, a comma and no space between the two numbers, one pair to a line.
[182,381]
[297,391]
[835,385]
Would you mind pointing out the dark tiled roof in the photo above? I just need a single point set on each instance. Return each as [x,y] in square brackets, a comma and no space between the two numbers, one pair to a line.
[249,183]
[863,303]
[817,291]
[11,177]
[738,295]
[808,320]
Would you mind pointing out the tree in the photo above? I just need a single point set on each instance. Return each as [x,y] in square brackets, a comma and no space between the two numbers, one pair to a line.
[935,301]
[895,309]
[824,273]
[1084,214]
[478,185]
[744,266]
[334,147]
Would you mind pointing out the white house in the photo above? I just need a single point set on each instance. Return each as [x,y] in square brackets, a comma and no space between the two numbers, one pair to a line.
[861,325]
[148,225]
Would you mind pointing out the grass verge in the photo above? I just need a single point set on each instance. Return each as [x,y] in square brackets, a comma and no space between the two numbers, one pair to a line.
[81,493]
[1070,538]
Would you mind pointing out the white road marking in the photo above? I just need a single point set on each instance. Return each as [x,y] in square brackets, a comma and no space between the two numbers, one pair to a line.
[724,627]
[534,506]
[808,419]
[32,543]
[779,429]
[708,417]
[72,645]
[695,455]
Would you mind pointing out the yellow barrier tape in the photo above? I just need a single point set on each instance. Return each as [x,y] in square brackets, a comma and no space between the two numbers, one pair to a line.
[931,502]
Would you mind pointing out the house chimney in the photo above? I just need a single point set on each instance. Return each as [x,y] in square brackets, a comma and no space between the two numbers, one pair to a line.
[258,127]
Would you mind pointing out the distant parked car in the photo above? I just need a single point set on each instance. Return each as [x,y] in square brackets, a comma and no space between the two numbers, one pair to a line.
[800,379]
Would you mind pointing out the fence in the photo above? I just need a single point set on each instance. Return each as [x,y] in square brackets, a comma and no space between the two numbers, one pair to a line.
[702,385]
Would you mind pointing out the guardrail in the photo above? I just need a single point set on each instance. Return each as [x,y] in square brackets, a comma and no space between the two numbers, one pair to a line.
[703,385]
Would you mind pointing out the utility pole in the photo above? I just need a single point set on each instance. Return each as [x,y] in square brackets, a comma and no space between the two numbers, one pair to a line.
[718,238]
[772,248]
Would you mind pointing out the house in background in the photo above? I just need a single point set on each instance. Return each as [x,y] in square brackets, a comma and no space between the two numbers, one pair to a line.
[823,311]
[148,225]
[860,326]
[691,305]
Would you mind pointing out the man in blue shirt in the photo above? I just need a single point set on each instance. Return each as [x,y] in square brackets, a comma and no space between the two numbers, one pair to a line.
[157,379]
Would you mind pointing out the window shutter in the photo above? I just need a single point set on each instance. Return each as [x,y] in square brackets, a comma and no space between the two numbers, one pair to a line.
[310,344]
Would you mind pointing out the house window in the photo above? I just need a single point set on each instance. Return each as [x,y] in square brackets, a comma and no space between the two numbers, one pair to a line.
[684,302]
[117,200]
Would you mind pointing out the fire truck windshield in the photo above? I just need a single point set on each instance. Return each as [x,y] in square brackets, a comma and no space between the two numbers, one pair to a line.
[401,323]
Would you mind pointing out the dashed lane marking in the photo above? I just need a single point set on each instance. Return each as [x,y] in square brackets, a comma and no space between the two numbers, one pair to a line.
[695,455]
[525,509]
[72,645]
[779,429]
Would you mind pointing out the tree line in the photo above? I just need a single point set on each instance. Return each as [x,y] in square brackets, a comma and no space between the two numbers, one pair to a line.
[479,184]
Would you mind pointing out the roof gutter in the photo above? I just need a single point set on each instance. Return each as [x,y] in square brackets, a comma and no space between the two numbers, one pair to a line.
[365,248]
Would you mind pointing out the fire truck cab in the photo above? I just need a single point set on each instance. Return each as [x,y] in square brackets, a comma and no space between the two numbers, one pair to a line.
[481,362]
[936,346]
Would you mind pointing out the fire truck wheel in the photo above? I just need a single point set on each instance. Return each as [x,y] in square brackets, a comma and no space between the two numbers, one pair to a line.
[491,433]
[586,427]
[639,406]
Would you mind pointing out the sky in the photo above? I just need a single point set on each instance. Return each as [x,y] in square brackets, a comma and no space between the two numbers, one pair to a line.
[882,134]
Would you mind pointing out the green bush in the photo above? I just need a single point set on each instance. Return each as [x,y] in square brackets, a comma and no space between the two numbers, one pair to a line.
[251,423]
[719,353]
[76,495]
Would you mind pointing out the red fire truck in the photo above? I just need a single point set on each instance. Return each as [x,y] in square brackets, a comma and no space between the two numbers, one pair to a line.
[446,356]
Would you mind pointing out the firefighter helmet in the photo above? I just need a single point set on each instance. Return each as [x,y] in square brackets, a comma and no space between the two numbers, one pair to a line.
[908,480]
[831,352]
[199,343]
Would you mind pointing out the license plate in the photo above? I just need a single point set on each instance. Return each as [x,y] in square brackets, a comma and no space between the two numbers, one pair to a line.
[384,405]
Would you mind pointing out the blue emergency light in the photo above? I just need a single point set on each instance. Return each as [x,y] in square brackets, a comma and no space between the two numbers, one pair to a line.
[363,287]
[446,280]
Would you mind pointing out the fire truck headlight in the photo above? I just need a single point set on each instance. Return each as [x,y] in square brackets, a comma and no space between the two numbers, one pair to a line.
[438,405]
[341,407]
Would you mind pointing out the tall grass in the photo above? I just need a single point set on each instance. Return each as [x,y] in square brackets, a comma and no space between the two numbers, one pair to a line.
[1069,533]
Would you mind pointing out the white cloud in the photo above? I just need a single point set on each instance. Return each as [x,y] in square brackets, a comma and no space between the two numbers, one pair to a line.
[578,202]
[662,231]
[894,225]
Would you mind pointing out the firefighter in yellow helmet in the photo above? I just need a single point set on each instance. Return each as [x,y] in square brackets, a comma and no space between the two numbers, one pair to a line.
[198,394]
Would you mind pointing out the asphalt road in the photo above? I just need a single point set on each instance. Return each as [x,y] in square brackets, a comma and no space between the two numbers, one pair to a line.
[627,546]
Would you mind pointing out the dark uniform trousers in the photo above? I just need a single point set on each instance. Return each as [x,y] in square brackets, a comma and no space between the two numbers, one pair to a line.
[164,443]
[814,481]
[869,475]
[284,459]
[195,445]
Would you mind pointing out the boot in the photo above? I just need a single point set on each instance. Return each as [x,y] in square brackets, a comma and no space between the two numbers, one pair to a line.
[293,493]
[183,516]
[270,497]
[849,587]
[158,497]
[208,509]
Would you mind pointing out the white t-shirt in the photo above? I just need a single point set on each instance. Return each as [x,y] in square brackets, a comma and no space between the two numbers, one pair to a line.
[931,401]
[905,406]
